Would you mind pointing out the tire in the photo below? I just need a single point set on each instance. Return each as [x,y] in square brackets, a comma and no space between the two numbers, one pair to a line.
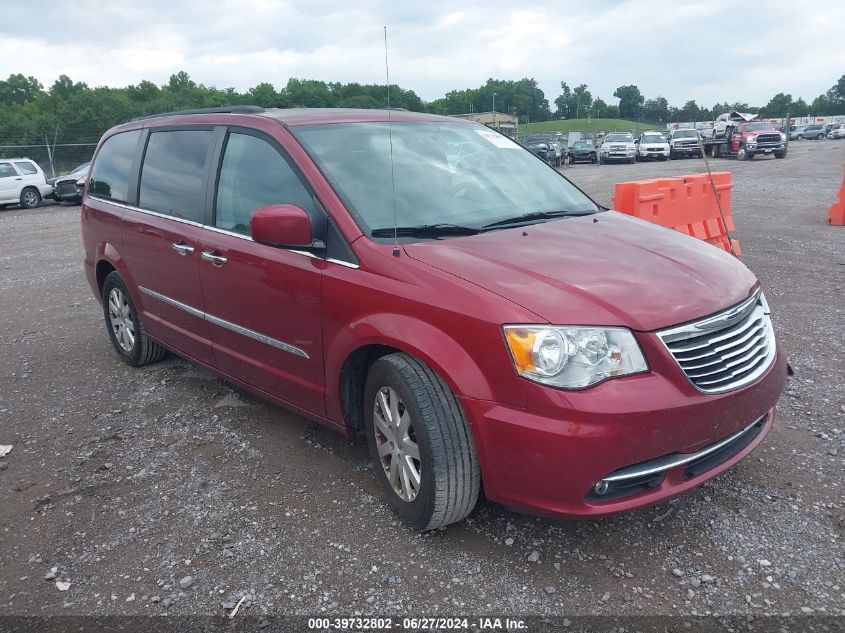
[800,137]
[671,155]
[741,153]
[30,198]
[448,470]
[594,160]
[571,160]
[780,154]
[633,160]
[3,207]
[139,349]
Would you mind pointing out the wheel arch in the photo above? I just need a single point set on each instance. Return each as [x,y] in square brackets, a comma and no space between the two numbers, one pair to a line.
[361,344]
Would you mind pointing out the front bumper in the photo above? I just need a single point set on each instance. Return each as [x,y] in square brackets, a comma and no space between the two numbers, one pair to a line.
[687,149]
[548,459]
[763,148]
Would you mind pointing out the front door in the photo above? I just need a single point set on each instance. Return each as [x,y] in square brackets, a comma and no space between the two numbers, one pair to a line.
[161,239]
[262,302]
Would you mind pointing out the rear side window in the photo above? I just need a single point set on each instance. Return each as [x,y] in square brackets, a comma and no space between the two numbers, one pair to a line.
[173,175]
[254,174]
[110,174]
[7,171]
[26,167]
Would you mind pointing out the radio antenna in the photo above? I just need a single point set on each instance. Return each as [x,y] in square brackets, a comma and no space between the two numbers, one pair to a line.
[390,136]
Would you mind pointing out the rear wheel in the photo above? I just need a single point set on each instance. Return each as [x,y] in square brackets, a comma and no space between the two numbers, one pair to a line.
[124,325]
[30,198]
[420,443]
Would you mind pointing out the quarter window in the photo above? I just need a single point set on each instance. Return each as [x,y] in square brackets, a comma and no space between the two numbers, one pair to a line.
[254,174]
[110,174]
[27,168]
[7,171]
[173,176]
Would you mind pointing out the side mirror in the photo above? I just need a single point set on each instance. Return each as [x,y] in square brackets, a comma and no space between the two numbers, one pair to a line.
[281,225]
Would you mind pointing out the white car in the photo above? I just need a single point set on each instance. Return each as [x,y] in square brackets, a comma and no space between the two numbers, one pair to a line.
[729,120]
[836,131]
[618,146]
[22,182]
[652,145]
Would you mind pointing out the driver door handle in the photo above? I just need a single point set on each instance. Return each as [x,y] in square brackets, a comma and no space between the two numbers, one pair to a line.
[217,260]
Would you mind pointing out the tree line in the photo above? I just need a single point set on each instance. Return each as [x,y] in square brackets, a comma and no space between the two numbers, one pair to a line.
[73,112]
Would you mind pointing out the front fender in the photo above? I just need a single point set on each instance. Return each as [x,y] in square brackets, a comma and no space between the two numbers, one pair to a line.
[437,349]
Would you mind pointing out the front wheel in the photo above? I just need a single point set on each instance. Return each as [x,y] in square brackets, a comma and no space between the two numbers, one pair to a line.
[30,198]
[780,154]
[124,325]
[420,443]
[742,154]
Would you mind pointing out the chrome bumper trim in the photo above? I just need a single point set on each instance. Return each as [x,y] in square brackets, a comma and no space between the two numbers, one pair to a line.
[676,459]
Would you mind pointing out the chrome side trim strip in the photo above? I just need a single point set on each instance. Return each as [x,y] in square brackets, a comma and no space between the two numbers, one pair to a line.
[671,461]
[233,327]
[176,304]
[164,216]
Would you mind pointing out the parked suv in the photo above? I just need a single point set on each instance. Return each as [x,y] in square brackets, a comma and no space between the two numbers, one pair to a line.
[750,139]
[465,317]
[22,182]
[618,146]
[684,143]
[813,131]
[652,145]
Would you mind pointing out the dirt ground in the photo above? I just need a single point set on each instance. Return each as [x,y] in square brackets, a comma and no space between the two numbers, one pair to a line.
[164,490]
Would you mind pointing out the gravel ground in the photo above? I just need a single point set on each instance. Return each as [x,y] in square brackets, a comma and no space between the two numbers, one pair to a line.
[164,490]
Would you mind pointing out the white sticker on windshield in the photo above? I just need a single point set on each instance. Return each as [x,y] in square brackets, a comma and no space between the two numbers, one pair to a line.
[499,140]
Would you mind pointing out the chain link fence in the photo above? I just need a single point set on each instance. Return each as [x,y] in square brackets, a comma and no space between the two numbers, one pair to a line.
[57,151]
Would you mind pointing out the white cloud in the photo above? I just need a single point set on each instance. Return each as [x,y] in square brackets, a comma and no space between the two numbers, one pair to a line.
[707,50]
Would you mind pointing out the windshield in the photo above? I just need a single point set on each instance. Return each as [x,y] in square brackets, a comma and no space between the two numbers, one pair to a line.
[756,127]
[619,138]
[686,134]
[582,145]
[653,138]
[79,168]
[494,180]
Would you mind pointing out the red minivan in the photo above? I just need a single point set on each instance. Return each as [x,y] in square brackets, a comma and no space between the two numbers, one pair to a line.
[426,281]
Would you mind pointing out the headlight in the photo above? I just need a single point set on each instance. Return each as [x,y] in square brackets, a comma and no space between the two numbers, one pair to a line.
[573,357]
[782,136]
[751,138]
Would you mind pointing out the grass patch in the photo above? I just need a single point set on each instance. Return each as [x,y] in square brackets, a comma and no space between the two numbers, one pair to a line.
[583,125]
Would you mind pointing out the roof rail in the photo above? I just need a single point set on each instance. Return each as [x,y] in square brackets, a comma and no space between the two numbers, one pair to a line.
[236,109]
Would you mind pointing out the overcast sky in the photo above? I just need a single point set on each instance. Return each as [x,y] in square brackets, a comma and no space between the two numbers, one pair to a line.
[710,50]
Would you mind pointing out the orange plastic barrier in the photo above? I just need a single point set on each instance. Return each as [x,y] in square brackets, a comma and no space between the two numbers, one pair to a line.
[685,203]
[836,215]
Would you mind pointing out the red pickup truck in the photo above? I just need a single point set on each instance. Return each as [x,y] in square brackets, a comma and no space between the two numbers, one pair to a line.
[755,137]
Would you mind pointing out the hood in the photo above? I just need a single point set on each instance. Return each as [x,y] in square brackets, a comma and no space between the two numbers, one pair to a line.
[602,269]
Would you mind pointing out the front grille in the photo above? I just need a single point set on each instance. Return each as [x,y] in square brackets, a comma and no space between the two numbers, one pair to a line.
[725,351]
[768,138]
[67,188]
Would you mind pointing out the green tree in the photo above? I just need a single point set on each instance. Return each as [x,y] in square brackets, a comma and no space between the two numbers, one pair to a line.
[778,105]
[19,89]
[656,110]
[630,101]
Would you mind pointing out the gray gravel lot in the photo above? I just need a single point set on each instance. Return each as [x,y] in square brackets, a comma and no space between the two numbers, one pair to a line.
[164,490]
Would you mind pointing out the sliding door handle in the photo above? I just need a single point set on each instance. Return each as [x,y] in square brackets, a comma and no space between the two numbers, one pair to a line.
[217,260]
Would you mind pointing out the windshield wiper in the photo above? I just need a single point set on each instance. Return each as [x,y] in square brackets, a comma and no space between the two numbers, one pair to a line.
[526,218]
[425,230]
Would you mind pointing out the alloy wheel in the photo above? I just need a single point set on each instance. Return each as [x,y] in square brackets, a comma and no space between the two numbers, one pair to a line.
[396,442]
[30,199]
[120,317]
